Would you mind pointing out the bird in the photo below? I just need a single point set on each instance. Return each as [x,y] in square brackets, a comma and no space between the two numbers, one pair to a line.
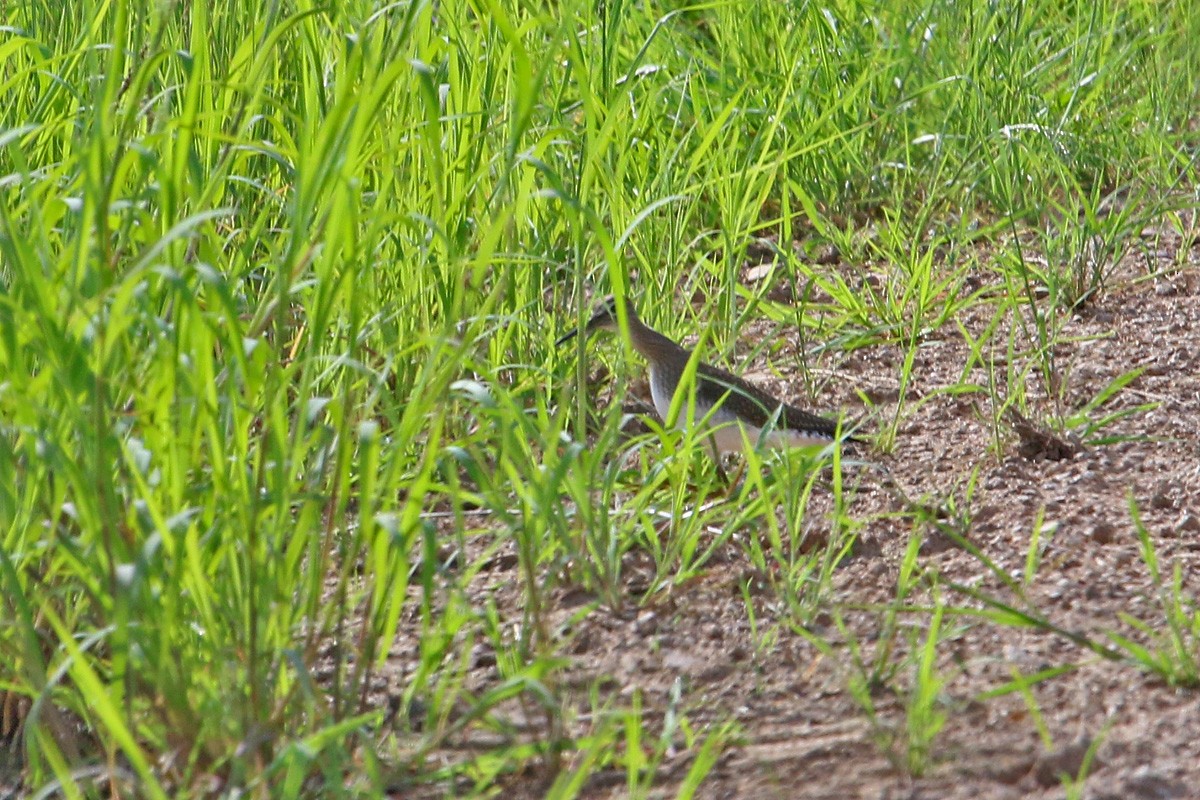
[738,412]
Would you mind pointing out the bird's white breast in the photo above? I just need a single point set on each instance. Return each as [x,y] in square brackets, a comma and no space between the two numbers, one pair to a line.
[660,392]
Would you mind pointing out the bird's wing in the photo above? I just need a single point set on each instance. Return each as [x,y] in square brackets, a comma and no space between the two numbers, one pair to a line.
[757,406]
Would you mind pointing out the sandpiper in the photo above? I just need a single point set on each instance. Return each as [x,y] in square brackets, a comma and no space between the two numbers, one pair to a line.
[744,414]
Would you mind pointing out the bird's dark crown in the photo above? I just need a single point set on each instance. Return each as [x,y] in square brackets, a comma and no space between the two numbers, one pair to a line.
[604,317]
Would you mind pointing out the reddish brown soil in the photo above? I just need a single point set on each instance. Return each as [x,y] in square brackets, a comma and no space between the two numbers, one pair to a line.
[802,734]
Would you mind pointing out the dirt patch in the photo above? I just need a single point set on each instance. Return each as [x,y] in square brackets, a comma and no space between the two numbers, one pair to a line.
[996,477]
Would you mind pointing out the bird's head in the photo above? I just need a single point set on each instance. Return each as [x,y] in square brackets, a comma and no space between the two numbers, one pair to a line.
[604,318]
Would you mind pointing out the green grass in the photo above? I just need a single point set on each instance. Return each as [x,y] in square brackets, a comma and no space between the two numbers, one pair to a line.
[279,282]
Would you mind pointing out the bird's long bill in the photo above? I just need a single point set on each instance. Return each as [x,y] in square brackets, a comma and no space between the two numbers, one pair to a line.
[566,337]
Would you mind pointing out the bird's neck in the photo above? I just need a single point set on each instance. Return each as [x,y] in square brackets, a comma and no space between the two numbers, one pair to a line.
[651,344]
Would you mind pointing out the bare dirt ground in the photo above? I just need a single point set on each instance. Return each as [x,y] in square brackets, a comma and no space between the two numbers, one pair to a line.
[802,734]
